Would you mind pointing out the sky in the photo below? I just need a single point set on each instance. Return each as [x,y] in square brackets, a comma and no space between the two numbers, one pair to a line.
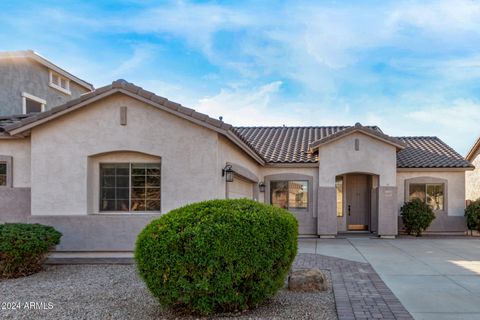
[410,67]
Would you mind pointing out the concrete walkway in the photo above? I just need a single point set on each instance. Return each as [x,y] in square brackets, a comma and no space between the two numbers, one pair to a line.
[433,278]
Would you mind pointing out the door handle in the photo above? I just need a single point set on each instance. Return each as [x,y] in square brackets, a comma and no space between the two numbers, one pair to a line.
[348,209]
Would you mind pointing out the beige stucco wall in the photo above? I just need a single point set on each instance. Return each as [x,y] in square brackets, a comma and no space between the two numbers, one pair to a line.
[240,188]
[473,179]
[373,157]
[19,150]
[61,150]
[455,188]
[228,152]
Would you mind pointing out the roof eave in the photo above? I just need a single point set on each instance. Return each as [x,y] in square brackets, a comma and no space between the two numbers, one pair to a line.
[319,143]
[473,150]
[27,124]
[435,169]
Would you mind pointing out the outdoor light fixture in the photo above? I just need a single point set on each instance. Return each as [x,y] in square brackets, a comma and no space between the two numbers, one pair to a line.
[261,187]
[227,172]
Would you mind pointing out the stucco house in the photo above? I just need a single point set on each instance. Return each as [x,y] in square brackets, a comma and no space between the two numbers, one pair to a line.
[30,83]
[473,176]
[101,166]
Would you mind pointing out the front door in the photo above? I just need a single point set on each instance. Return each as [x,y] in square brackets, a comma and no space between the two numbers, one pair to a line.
[358,202]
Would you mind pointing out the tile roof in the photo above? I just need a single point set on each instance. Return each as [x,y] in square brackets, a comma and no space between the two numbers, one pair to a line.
[286,144]
[377,134]
[8,120]
[14,126]
[265,144]
[116,86]
[291,145]
[429,152]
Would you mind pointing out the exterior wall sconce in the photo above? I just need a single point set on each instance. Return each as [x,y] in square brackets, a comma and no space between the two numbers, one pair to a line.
[261,187]
[228,173]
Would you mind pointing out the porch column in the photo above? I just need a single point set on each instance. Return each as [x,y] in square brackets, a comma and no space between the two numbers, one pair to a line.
[387,212]
[327,214]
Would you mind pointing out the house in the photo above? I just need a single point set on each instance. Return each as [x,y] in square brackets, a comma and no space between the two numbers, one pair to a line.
[101,166]
[30,83]
[473,177]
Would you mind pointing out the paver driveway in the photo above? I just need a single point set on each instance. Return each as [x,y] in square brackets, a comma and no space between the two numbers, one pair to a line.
[433,278]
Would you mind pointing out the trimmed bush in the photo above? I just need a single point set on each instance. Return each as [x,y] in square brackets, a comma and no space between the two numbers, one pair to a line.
[218,255]
[417,216]
[24,247]
[472,215]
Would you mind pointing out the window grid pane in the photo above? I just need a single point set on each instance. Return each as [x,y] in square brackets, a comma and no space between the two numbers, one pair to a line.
[130,187]
[145,182]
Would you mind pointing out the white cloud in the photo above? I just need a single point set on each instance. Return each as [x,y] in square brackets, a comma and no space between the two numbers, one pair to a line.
[443,17]
[140,55]
[239,106]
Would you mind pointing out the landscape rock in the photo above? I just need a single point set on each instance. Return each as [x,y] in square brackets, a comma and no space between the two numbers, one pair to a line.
[307,280]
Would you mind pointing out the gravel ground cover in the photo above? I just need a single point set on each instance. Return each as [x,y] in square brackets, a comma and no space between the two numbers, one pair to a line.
[116,292]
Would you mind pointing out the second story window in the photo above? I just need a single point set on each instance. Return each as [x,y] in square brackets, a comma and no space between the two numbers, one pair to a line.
[32,104]
[59,82]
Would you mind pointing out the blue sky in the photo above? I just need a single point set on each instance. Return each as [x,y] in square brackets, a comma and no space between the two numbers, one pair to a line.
[412,68]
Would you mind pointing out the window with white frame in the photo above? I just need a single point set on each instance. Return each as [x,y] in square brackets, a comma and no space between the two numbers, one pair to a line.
[32,104]
[59,82]
[130,187]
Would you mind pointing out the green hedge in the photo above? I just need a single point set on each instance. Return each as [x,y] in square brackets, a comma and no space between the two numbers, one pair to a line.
[218,255]
[417,216]
[23,248]
[472,215]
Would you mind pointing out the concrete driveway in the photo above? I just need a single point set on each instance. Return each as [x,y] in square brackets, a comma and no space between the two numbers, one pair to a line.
[433,278]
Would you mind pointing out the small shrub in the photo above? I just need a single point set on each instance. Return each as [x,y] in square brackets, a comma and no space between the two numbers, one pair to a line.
[218,255]
[417,216]
[23,248]
[472,215]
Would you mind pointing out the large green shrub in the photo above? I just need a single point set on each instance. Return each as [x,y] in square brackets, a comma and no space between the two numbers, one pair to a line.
[472,215]
[23,248]
[417,216]
[218,255]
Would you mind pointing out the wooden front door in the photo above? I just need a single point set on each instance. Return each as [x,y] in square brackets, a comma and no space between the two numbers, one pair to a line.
[358,202]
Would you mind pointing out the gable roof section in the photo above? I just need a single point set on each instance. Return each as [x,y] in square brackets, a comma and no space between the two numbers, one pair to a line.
[285,144]
[292,145]
[429,152]
[473,150]
[30,54]
[21,126]
[376,134]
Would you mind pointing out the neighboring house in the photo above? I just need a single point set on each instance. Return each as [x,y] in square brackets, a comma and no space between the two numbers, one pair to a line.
[473,177]
[100,167]
[30,83]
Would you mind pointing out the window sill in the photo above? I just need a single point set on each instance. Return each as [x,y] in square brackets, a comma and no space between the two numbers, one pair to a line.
[124,213]
[56,87]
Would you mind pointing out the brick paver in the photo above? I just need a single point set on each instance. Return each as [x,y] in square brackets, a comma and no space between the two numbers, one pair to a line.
[359,291]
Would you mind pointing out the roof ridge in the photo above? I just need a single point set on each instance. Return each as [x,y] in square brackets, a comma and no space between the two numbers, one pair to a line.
[405,137]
